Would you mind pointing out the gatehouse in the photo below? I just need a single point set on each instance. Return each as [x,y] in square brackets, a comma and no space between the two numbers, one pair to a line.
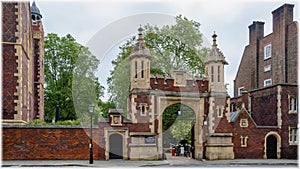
[139,136]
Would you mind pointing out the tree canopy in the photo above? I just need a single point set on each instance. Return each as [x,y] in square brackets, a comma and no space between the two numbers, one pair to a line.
[173,47]
[65,58]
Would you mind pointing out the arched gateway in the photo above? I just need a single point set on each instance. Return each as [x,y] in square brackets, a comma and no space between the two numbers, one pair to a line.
[151,95]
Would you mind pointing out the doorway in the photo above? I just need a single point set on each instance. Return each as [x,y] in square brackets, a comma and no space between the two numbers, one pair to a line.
[271,147]
[115,146]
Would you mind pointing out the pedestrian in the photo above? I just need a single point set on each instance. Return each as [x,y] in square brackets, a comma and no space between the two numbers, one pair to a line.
[182,150]
[188,151]
[177,150]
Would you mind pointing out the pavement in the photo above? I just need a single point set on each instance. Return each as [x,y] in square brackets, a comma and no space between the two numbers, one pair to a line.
[171,161]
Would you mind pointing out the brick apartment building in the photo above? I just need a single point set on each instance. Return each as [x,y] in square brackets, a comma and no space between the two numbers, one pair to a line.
[22,60]
[264,111]
[271,59]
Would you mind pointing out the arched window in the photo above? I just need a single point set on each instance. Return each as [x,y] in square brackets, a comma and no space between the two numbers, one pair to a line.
[219,79]
[142,69]
[135,69]
[212,73]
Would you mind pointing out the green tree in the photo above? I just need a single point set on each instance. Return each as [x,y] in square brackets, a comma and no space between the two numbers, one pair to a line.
[61,56]
[173,47]
[177,122]
[176,47]
[104,108]
[119,80]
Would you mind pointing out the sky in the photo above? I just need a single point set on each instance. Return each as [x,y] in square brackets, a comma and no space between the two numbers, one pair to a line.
[104,24]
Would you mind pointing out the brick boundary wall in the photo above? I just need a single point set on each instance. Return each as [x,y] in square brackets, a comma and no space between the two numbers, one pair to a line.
[48,143]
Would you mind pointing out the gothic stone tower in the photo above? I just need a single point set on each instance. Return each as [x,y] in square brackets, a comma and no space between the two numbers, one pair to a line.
[140,64]
[219,145]
[214,66]
[140,107]
[22,54]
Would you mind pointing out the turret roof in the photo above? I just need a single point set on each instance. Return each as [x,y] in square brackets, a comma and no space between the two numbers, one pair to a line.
[34,9]
[140,48]
[215,55]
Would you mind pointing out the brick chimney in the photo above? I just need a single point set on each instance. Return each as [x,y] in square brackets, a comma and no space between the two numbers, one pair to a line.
[245,99]
[256,31]
[282,16]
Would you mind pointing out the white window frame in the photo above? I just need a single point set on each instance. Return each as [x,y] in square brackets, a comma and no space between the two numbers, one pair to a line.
[293,135]
[244,141]
[267,82]
[267,68]
[268,51]
[293,104]
[240,90]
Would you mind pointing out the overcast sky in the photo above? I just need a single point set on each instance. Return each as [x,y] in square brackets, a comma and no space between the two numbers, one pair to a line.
[103,25]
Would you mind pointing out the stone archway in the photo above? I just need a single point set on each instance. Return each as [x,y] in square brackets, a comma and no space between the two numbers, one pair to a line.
[178,126]
[272,147]
[122,135]
[197,105]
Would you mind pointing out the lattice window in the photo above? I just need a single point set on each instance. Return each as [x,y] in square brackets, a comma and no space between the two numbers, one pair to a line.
[293,134]
[293,104]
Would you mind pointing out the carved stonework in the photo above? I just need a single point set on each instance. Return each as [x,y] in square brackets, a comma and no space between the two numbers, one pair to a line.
[180,78]
[116,120]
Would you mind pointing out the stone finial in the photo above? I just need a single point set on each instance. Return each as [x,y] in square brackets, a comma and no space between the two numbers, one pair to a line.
[140,33]
[214,36]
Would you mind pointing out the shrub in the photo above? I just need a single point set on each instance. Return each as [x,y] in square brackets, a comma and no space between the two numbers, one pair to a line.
[68,122]
[37,122]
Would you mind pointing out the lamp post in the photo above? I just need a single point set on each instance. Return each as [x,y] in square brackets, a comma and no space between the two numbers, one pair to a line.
[91,110]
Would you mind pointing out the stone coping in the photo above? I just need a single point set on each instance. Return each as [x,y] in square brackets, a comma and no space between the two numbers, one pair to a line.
[221,135]
[47,126]
[219,145]
[141,145]
[142,134]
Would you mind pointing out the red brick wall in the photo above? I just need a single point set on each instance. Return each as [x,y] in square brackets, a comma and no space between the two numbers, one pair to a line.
[262,62]
[246,74]
[199,86]
[292,53]
[9,82]
[264,106]
[48,143]
[23,39]
[288,120]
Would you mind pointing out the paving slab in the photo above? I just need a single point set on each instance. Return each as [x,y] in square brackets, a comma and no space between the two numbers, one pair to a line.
[171,161]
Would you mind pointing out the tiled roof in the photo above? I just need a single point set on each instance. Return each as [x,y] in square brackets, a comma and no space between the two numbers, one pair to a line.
[234,115]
